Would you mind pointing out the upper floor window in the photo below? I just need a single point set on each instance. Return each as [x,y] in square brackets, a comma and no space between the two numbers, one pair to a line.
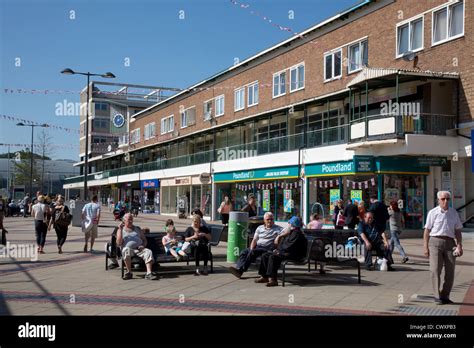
[188,117]
[448,23]
[150,130]
[332,65]
[207,110]
[135,136]
[167,124]
[358,56]
[100,106]
[410,37]
[279,84]
[219,101]
[297,77]
[239,99]
[252,91]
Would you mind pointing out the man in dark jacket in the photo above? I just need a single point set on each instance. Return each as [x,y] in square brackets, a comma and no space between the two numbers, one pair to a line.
[351,213]
[380,211]
[292,244]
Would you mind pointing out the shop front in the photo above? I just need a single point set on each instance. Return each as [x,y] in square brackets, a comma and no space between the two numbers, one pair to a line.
[150,198]
[398,179]
[276,190]
[194,191]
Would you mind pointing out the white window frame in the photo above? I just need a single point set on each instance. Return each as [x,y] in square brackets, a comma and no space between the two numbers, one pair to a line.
[409,22]
[349,71]
[448,13]
[279,73]
[184,112]
[332,78]
[134,134]
[204,109]
[252,86]
[237,90]
[147,132]
[170,123]
[295,67]
[222,96]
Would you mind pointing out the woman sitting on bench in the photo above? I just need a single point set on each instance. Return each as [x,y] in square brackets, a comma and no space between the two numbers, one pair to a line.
[199,236]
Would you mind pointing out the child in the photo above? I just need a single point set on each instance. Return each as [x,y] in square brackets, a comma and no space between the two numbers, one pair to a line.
[315,223]
[171,245]
[146,230]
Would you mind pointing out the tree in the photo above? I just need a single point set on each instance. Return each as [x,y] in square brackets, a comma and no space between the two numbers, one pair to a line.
[22,169]
[45,149]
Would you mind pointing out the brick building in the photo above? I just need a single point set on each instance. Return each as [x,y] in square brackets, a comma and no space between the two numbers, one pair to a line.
[377,99]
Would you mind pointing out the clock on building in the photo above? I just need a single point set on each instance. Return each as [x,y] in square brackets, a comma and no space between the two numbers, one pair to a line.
[118,120]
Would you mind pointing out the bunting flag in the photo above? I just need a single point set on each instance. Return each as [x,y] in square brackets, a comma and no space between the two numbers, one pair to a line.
[337,182]
[366,184]
[39,146]
[386,179]
[353,185]
[29,122]
[373,181]
[330,183]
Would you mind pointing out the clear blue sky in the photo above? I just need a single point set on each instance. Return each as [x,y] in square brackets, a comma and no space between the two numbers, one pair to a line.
[163,49]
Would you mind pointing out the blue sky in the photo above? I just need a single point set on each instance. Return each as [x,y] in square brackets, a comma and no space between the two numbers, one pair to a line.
[163,49]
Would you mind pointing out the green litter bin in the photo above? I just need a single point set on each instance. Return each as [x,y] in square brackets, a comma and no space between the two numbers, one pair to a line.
[237,237]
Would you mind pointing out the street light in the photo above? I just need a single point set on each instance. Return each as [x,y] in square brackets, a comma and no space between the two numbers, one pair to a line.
[44,125]
[107,75]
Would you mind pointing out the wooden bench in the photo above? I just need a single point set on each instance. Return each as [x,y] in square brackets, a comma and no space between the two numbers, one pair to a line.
[155,245]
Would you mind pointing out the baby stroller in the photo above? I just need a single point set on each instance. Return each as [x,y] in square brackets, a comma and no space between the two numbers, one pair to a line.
[182,207]
[119,213]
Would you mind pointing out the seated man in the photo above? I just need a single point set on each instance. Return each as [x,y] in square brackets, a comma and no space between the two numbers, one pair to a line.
[262,242]
[374,239]
[292,245]
[133,242]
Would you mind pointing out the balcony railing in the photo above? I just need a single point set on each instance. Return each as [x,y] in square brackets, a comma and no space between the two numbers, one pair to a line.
[372,127]
[389,126]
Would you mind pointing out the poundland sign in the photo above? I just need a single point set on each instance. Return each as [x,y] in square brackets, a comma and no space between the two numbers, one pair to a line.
[335,168]
[258,174]
[359,164]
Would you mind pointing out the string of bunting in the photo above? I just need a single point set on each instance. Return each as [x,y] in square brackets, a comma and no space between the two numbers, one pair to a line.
[39,146]
[66,91]
[349,183]
[270,186]
[29,122]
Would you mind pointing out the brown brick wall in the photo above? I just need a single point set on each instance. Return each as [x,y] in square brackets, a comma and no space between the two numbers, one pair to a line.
[379,26]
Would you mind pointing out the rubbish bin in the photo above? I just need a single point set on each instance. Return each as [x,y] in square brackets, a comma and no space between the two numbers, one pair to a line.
[237,237]
[75,208]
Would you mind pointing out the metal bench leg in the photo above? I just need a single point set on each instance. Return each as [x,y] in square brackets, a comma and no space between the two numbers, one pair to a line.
[309,266]
[212,262]
[123,267]
[358,271]
[106,262]
[283,276]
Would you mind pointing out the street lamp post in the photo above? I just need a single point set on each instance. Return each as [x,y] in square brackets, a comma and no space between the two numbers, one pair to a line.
[108,75]
[44,125]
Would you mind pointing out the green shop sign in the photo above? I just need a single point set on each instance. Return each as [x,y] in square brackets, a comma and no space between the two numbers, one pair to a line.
[402,165]
[359,164]
[258,174]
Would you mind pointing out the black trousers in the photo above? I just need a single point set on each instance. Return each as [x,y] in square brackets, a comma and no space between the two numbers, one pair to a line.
[201,252]
[247,256]
[270,264]
[379,249]
[61,234]
[41,230]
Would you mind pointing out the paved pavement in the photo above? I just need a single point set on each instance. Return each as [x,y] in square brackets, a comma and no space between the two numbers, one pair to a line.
[76,283]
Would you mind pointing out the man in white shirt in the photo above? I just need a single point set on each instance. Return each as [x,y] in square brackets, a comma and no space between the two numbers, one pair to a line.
[90,221]
[442,238]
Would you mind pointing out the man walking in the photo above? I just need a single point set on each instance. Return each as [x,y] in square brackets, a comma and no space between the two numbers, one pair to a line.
[351,213]
[442,243]
[90,221]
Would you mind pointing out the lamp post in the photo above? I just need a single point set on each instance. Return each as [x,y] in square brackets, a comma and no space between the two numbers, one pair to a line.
[107,75]
[44,125]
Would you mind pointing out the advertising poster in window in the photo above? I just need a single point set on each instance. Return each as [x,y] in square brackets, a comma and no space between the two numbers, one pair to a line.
[287,201]
[391,195]
[356,196]
[414,202]
[266,200]
[333,197]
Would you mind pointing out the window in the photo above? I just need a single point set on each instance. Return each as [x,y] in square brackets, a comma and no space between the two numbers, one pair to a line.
[188,117]
[101,123]
[239,99]
[150,130]
[135,136]
[207,110]
[410,37]
[167,124]
[252,94]
[220,105]
[100,106]
[279,84]
[332,65]
[448,23]
[297,77]
[358,56]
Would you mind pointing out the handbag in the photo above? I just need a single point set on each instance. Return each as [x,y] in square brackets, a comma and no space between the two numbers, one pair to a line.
[63,219]
[341,220]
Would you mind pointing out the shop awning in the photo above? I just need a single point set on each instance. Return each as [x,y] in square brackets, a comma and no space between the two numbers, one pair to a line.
[387,74]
